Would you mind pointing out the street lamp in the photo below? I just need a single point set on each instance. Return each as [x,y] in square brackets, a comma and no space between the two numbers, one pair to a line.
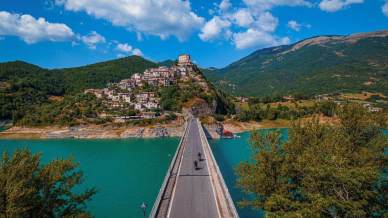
[143,206]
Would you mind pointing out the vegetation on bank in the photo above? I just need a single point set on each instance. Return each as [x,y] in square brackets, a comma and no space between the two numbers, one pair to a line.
[321,171]
[29,188]
[258,111]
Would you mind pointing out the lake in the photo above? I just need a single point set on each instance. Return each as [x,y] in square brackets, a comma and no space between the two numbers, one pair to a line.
[229,153]
[125,172]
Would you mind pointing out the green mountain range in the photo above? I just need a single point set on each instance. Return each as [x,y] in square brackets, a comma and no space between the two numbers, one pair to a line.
[26,88]
[33,95]
[324,64]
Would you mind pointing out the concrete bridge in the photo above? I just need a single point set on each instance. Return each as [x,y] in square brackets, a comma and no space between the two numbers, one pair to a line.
[193,192]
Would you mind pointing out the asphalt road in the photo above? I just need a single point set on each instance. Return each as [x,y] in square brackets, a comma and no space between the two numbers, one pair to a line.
[193,196]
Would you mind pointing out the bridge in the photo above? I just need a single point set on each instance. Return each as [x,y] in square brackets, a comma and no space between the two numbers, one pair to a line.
[189,191]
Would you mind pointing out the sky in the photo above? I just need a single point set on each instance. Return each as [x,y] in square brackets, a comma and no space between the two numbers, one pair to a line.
[69,33]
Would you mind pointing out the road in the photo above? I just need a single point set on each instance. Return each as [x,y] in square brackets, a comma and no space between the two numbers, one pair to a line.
[194,194]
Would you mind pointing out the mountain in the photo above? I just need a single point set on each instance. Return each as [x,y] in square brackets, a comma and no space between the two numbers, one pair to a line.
[323,64]
[31,95]
[97,75]
[167,63]
[24,87]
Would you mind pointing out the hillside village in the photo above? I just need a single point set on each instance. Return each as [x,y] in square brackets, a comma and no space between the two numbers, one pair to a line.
[138,92]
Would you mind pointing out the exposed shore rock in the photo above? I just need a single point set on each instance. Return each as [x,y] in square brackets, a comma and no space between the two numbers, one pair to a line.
[113,132]
[94,132]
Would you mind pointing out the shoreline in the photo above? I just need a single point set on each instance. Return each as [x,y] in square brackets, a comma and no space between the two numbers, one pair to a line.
[173,129]
[112,132]
[92,132]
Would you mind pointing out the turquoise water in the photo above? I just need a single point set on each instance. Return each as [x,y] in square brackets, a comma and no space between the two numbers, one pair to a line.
[125,172]
[229,153]
[128,172]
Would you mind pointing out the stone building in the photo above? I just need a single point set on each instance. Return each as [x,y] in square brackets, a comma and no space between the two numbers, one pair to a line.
[184,60]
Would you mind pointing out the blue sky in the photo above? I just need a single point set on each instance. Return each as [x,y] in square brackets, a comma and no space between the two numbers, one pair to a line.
[67,33]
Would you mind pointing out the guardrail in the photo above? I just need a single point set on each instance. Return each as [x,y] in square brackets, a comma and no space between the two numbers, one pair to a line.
[231,207]
[162,189]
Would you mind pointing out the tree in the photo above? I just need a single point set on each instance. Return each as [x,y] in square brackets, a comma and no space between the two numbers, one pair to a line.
[31,189]
[321,171]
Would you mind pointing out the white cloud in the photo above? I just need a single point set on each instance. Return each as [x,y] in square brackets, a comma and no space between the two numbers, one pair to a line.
[294,25]
[255,28]
[137,52]
[243,17]
[32,30]
[256,38]
[336,5]
[162,18]
[267,22]
[263,5]
[385,8]
[225,5]
[126,49]
[214,28]
[92,39]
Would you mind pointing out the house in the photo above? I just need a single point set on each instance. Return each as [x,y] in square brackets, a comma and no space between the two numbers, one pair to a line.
[148,115]
[115,97]
[164,82]
[97,92]
[115,104]
[152,81]
[151,105]
[139,107]
[372,109]
[375,109]
[125,97]
[137,79]
[126,84]
[182,71]
[145,95]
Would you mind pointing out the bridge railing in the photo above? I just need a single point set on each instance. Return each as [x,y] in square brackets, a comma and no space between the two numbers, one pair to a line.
[230,204]
[162,189]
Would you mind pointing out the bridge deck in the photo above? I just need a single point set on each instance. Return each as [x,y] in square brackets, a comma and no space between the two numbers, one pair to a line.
[190,192]
[193,195]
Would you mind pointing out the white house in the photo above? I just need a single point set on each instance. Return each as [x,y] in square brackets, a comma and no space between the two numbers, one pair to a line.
[139,107]
[125,97]
[151,105]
